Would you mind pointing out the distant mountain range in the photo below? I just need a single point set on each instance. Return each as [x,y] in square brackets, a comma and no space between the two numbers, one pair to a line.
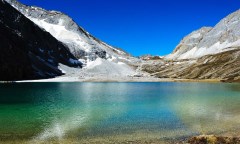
[40,44]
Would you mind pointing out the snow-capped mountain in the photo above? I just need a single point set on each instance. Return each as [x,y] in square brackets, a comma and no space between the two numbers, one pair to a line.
[224,36]
[28,52]
[88,49]
[81,44]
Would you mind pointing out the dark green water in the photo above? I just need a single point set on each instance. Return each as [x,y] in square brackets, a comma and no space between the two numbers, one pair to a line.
[122,111]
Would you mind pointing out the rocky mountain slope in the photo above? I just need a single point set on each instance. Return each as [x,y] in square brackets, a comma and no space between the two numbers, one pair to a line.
[81,44]
[28,52]
[223,37]
[208,53]
[224,66]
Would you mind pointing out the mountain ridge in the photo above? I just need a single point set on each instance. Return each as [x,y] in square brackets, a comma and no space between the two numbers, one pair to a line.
[81,43]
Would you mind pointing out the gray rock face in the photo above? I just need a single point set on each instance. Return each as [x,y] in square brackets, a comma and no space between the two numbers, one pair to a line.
[224,36]
[227,30]
[81,44]
[192,40]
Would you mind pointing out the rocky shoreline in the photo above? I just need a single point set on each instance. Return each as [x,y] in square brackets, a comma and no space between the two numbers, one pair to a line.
[122,79]
[212,139]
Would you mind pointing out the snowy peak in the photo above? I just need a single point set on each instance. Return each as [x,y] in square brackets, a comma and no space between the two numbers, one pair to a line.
[223,37]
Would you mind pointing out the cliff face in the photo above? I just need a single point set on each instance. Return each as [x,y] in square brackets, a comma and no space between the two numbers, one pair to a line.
[28,52]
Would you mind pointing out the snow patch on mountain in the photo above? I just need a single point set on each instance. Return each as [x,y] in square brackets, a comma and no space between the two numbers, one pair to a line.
[107,68]
[99,69]
[62,34]
[214,49]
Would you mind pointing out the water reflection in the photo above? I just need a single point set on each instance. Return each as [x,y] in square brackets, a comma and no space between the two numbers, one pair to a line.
[209,109]
[89,104]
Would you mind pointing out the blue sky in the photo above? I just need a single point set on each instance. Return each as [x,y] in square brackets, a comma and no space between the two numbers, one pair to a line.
[142,26]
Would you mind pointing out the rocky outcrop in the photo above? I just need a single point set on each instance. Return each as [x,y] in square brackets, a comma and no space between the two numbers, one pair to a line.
[28,52]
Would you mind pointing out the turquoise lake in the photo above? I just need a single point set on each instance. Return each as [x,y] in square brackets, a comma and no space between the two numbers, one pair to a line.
[116,112]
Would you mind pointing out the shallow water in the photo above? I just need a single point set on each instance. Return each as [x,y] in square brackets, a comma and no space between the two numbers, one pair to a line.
[43,112]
